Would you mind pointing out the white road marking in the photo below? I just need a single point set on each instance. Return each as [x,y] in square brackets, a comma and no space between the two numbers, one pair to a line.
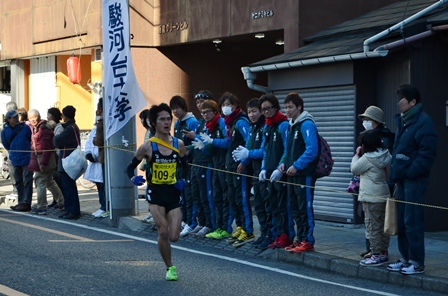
[230,259]
[10,292]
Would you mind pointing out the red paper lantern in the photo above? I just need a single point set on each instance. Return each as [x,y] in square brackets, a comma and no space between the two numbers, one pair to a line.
[74,69]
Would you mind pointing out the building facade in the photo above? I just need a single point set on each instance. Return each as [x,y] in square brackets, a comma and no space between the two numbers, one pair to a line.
[339,73]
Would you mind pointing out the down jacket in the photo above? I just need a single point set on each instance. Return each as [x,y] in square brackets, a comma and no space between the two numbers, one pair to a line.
[17,141]
[372,168]
[415,148]
[67,141]
[41,144]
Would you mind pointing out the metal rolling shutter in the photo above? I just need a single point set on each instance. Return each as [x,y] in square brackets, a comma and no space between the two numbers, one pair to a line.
[43,90]
[333,109]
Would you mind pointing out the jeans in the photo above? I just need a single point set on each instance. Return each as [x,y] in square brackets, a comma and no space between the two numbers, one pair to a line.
[24,184]
[101,195]
[410,220]
[71,197]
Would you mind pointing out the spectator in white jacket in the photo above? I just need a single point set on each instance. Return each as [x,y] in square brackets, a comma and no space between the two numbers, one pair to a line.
[371,162]
[94,173]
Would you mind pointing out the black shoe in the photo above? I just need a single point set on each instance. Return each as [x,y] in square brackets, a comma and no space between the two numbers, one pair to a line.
[13,207]
[71,217]
[52,204]
[23,207]
[63,215]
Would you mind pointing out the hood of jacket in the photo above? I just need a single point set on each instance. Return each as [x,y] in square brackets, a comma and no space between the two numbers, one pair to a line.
[188,116]
[379,158]
[302,117]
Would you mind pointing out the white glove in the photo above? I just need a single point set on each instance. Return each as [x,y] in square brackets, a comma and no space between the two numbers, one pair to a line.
[276,175]
[206,138]
[197,144]
[262,176]
[240,153]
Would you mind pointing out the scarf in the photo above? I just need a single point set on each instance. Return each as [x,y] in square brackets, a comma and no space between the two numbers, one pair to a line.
[275,119]
[228,120]
[211,125]
[405,117]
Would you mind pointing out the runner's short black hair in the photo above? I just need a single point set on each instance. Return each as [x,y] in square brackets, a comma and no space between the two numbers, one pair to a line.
[154,113]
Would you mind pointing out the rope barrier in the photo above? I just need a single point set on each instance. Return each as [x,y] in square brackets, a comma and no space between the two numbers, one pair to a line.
[128,149]
[326,189]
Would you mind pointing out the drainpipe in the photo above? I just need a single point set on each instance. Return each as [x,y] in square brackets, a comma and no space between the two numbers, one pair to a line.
[401,24]
[413,38]
[250,76]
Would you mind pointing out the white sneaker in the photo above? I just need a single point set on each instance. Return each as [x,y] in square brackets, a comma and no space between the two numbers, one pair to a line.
[196,229]
[182,225]
[98,213]
[148,219]
[94,213]
[187,229]
[203,231]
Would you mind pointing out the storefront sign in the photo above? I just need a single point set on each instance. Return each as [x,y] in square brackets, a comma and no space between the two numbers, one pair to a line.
[170,27]
[262,13]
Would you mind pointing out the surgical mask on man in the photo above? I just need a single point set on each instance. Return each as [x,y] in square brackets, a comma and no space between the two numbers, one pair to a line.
[367,124]
[97,118]
[226,110]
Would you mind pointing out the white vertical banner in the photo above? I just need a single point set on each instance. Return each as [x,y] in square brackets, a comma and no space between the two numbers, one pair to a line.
[122,95]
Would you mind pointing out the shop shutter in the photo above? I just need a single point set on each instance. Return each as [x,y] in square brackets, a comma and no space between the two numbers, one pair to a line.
[43,90]
[333,109]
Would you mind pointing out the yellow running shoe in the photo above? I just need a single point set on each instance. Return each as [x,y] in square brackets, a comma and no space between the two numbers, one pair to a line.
[235,235]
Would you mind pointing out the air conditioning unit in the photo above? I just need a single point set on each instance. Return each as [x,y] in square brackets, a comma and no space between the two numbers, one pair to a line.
[98,54]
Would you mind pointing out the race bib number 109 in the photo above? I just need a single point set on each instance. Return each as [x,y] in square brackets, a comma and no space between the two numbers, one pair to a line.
[163,173]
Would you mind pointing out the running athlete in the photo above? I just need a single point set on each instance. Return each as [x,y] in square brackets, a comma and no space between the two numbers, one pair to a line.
[163,154]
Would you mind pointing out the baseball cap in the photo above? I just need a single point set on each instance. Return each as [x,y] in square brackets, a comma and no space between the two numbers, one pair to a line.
[11,113]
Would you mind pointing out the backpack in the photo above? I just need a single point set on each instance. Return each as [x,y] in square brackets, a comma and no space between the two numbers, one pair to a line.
[325,163]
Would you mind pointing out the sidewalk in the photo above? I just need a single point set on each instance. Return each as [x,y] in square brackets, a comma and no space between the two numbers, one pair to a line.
[337,246]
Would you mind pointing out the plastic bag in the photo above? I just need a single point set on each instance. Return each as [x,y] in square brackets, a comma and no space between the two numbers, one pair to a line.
[75,164]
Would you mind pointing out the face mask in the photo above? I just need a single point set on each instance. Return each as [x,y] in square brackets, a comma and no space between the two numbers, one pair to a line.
[227,110]
[367,124]
[97,118]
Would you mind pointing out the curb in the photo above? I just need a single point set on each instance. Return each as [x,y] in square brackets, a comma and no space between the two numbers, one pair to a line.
[321,261]
[352,268]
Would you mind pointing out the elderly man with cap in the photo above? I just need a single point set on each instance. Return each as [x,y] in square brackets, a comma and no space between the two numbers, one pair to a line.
[67,141]
[373,119]
[16,138]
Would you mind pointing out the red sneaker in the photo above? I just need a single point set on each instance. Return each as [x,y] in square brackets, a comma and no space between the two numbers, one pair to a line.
[294,245]
[272,245]
[304,247]
[283,241]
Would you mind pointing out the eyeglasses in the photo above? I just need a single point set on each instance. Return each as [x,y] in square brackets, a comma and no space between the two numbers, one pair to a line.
[267,108]
[201,96]
[204,112]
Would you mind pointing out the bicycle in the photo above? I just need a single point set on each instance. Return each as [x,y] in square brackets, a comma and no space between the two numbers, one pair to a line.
[85,183]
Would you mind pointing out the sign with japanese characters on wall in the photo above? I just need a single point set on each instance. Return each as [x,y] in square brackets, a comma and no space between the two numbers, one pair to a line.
[122,95]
